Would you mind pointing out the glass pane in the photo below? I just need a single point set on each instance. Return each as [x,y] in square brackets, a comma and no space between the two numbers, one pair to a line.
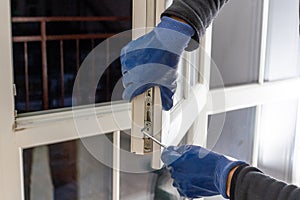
[283,49]
[148,185]
[236,137]
[277,139]
[50,41]
[236,43]
[65,171]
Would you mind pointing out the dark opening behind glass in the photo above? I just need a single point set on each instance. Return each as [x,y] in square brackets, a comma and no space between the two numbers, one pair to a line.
[50,41]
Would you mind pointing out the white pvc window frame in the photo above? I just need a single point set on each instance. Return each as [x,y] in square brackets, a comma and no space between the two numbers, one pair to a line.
[19,133]
[249,95]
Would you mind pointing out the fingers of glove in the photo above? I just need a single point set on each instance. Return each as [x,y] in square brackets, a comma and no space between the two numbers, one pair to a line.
[147,49]
[169,156]
[173,153]
[140,78]
[151,73]
[134,90]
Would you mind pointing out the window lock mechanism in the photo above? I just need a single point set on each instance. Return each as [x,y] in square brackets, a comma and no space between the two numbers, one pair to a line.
[148,116]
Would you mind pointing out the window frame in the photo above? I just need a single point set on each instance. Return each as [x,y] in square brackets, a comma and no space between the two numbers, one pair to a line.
[249,95]
[42,128]
[17,133]
[10,152]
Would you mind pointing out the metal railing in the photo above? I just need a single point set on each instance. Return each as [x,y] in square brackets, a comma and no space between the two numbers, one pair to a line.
[44,37]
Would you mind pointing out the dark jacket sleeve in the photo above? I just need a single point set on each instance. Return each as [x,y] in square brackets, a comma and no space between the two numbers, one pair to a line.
[248,183]
[198,13]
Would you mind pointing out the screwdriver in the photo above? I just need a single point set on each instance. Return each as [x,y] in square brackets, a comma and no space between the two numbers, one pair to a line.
[153,138]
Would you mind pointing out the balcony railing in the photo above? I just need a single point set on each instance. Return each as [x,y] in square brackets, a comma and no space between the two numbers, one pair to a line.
[43,37]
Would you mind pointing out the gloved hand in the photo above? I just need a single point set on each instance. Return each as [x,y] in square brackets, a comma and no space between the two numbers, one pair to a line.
[152,60]
[198,172]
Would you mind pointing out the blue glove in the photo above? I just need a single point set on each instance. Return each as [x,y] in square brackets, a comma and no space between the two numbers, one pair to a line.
[198,172]
[152,60]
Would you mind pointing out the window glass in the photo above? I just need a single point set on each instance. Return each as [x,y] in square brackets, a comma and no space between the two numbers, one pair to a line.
[67,171]
[283,53]
[50,41]
[236,137]
[236,43]
[277,139]
[151,185]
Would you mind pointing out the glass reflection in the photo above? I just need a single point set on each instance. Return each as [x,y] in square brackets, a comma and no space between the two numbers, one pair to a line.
[277,137]
[283,51]
[236,138]
[66,171]
[236,43]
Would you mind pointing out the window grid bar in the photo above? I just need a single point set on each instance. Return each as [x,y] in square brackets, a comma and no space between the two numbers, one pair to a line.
[205,57]
[116,165]
[186,76]
[257,128]
[150,14]
[262,66]
[202,60]
[245,96]
[263,46]
[10,159]
[199,126]
[44,66]
[160,7]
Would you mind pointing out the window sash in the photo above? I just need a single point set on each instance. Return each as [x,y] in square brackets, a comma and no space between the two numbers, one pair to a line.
[30,131]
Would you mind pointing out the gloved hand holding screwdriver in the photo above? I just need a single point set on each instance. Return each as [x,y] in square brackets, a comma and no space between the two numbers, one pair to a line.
[198,172]
[152,60]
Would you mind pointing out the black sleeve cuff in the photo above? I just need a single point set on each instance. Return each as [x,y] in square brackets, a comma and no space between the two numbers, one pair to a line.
[239,172]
